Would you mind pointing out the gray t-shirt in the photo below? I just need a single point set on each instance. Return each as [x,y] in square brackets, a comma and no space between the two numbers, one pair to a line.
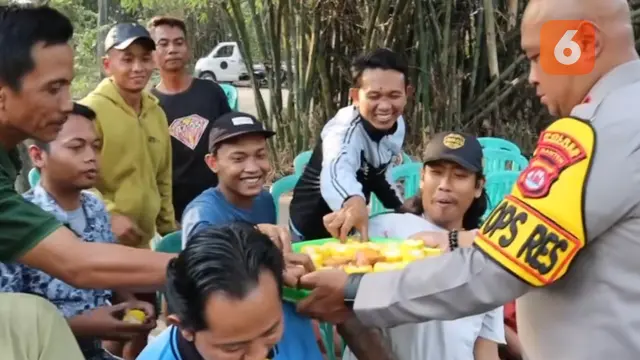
[77,220]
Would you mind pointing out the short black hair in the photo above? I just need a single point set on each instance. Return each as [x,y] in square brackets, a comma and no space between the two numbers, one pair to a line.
[21,28]
[167,21]
[226,259]
[380,58]
[78,109]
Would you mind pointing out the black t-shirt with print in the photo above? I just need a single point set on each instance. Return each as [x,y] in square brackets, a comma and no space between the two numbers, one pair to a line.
[191,115]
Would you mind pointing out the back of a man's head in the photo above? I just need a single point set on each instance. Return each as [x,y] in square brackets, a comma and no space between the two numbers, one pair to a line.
[229,261]
[21,28]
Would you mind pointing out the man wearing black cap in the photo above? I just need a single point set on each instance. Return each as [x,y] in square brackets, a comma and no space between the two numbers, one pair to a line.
[239,156]
[452,192]
[135,176]
[136,151]
[451,198]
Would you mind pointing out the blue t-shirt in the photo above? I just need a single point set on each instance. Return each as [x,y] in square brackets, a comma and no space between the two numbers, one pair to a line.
[211,208]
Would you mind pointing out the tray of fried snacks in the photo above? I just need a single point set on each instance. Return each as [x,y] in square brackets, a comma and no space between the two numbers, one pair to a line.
[354,256]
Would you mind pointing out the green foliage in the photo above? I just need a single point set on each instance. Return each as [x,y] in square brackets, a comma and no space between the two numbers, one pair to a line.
[87,66]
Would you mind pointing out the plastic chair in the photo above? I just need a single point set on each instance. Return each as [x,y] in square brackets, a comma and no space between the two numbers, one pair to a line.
[496,160]
[499,185]
[498,143]
[34,177]
[406,159]
[280,187]
[301,161]
[410,175]
[170,243]
[232,95]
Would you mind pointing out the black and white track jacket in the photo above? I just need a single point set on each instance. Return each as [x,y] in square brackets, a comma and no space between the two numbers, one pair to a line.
[352,158]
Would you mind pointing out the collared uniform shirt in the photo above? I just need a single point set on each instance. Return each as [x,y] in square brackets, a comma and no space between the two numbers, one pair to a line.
[69,300]
[591,313]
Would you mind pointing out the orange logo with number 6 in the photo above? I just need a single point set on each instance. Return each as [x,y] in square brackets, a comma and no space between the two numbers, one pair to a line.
[567,47]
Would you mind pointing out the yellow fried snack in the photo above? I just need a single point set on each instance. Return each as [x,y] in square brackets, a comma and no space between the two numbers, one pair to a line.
[412,244]
[134,316]
[413,254]
[362,257]
[431,251]
[350,269]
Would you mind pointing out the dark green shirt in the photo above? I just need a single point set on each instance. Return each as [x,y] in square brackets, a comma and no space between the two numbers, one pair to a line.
[22,224]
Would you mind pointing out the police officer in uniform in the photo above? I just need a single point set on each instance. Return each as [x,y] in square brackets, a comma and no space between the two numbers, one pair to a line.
[566,241]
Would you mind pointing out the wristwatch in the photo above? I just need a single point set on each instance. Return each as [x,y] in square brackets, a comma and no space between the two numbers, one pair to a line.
[351,289]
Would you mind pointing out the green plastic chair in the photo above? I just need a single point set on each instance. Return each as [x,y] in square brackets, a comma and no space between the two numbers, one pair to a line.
[496,160]
[410,175]
[170,243]
[499,185]
[301,161]
[281,187]
[498,143]
[232,95]
[34,177]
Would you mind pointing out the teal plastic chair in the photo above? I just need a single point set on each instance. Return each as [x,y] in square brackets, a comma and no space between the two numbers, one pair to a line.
[406,159]
[34,177]
[232,95]
[496,160]
[410,175]
[282,186]
[301,161]
[498,143]
[170,243]
[499,185]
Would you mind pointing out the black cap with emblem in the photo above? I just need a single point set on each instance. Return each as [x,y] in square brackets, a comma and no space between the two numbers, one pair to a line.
[234,124]
[462,149]
[122,35]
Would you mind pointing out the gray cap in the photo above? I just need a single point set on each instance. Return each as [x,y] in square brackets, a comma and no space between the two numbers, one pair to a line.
[121,36]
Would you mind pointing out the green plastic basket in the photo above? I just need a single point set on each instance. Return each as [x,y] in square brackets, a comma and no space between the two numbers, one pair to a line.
[295,295]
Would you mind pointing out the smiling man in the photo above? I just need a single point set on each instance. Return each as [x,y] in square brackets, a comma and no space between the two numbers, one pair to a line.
[240,157]
[224,294]
[356,148]
[135,178]
[35,99]
[565,242]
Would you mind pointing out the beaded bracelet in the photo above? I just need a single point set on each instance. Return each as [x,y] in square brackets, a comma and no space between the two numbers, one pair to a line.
[453,240]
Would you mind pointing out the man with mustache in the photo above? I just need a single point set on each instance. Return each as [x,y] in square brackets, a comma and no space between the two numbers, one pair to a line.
[69,168]
[35,99]
[192,106]
[579,195]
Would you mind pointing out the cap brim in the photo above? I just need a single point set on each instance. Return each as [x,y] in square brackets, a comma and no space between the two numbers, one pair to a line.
[266,133]
[455,159]
[146,41]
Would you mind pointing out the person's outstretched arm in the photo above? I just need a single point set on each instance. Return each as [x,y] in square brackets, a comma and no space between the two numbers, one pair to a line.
[365,342]
[99,266]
